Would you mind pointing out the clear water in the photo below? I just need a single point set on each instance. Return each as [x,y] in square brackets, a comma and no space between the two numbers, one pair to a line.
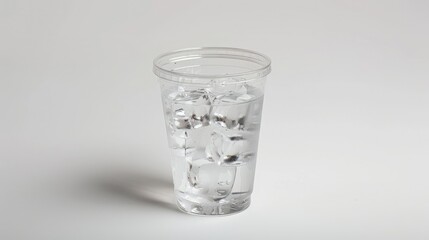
[213,138]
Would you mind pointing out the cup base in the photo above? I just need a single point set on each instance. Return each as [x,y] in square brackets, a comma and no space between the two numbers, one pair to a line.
[214,208]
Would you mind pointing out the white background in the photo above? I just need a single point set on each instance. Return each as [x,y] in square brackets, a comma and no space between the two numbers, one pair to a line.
[344,143]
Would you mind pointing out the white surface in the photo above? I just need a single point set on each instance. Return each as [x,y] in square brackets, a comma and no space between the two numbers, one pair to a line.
[345,134]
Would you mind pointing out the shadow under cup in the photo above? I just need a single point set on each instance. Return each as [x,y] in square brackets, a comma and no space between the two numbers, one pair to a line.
[212,100]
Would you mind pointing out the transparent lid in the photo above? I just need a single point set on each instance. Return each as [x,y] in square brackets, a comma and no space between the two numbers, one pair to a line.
[207,64]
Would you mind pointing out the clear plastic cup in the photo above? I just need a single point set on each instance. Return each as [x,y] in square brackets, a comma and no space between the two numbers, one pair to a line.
[212,99]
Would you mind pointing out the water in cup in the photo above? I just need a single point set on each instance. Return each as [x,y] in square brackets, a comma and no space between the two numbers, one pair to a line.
[213,138]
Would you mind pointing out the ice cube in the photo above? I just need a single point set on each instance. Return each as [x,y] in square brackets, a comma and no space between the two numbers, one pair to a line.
[230,148]
[229,116]
[190,109]
[190,116]
[200,120]
[182,123]
[209,179]
[236,112]
[177,118]
[189,139]
[177,139]
[238,159]
[193,172]
[231,109]
[198,138]
[180,112]
[175,93]
[194,154]
[228,87]
[233,145]
[213,148]
[234,149]
[232,93]
[198,97]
